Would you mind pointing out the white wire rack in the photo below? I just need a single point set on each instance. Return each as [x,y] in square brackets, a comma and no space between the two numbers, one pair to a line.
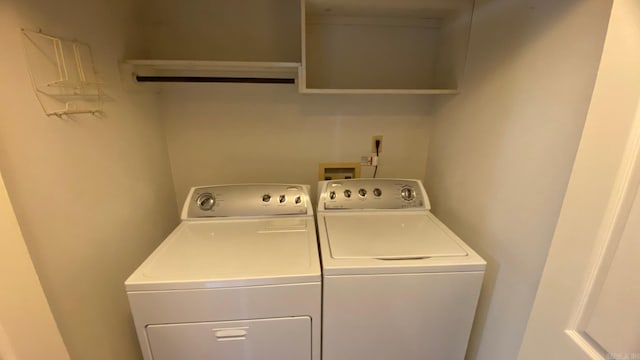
[62,74]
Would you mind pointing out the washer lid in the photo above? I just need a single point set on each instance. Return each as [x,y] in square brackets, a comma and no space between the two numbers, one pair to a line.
[388,237]
[227,253]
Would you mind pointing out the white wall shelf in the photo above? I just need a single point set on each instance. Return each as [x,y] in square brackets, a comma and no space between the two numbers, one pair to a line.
[211,71]
[62,74]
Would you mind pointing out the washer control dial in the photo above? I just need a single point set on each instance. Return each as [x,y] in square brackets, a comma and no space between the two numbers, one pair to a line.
[206,201]
[266,198]
[347,193]
[332,195]
[362,192]
[298,199]
[377,192]
[282,199]
[407,194]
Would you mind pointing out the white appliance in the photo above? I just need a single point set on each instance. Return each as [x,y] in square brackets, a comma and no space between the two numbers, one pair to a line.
[238,279]
[397,283]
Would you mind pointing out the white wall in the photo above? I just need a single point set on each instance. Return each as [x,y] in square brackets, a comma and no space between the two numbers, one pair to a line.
[93,195]
[502,151]
[231,133]
[24,311]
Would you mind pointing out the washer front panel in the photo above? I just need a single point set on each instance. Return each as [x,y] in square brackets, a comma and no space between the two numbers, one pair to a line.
[400,316]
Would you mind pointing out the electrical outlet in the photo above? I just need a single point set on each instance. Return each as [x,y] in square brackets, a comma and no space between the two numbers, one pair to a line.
[373,144]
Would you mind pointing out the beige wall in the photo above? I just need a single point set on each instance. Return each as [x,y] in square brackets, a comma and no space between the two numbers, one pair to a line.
[93,195]
[247,30]
[502,151]
[231,133]
[27,328]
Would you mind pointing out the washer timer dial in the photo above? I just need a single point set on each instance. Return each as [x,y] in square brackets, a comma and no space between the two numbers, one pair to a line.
[407,194]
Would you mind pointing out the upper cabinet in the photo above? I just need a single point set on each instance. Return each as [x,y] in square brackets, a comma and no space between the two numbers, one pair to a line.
[384,46]
[326,46]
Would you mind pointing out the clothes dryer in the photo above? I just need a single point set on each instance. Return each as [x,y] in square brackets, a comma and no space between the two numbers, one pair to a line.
[239,278]
[397,283]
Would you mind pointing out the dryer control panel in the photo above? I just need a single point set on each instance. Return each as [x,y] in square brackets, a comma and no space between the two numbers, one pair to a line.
[246,201]
[372,194]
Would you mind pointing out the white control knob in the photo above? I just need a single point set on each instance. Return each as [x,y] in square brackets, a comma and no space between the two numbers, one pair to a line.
[206,201]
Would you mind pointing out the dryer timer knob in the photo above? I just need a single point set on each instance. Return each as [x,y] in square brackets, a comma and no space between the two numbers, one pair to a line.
[206,201]
[407,194]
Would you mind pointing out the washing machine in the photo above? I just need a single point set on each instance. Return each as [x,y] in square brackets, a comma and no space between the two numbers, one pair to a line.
[239,278]
[397,283]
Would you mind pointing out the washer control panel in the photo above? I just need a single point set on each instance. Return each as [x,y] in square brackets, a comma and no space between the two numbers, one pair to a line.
[246,200]
[374,194]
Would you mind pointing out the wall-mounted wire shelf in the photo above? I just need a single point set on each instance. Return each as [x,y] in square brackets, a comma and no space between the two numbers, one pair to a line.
[62,74]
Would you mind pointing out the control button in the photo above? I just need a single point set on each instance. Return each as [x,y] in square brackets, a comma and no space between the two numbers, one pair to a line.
[266,198]
[347,193]
[206,201]
[362,192]
[298,199]
[377,192]
[332,195]
[282,199]
[407,194]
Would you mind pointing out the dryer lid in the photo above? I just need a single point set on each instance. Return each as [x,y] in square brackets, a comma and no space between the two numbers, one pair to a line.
[389,236]
[227,253]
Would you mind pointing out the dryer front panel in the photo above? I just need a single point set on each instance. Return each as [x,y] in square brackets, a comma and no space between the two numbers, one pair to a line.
[282,339]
